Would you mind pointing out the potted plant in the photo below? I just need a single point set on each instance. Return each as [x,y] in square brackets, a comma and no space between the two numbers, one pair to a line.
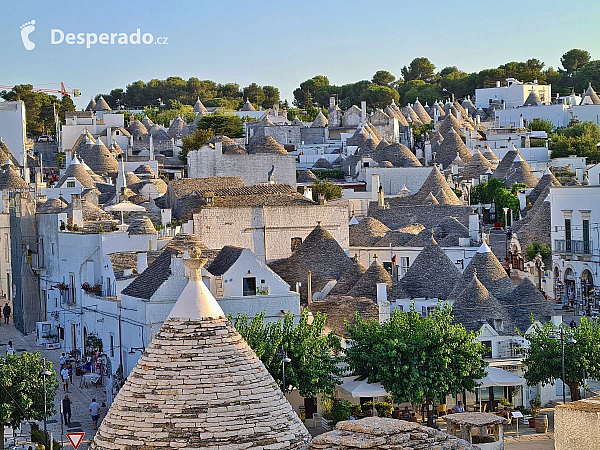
[504,402]
[536,406]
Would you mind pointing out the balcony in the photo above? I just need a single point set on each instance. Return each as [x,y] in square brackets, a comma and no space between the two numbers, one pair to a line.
[573,247]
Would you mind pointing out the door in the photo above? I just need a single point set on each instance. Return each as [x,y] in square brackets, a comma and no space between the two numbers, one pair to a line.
[74,336]
[310,407]
[249,286]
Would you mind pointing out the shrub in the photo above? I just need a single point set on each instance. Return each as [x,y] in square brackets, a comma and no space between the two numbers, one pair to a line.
[534,249]
[536,406]
[335,409]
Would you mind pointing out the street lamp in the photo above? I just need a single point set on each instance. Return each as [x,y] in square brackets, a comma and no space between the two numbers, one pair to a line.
[284,360]
[562,345]
[45,373]
[505,231]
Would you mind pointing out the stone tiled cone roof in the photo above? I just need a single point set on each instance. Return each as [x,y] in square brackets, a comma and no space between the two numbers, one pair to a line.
[320,121]
[382,144]
[450,122]
[342,308]
[306,176]
[200,385]
[400,237]
[229,146]
[532,99]
[367,232]
[398,115]
[436,184]
[592,94]
[6,153]
[490,155]
[81,144]
[90,105]
[366,286]
[101,105]
[147,122]
[51,206]
[477,165]
[100,159]
[412,116]
[476,305]
[431,200]
[141,226]
[90,212]
[420,111]
[451,225]
[423,238]
[10,180]
[436,140]
[131,178]
[178,128]
[159,134]
[185,186]
[137,128]
[526,300]
[398,154]
[76,170]
[538,227]
[322,163]
[349,279]
[431,274]
[199,107]
[450,146]
[224,260]
[548,179]
[386,433]
[146,284]
[520,172]
[266,145]
[489,271]
[505,164]
[248,106]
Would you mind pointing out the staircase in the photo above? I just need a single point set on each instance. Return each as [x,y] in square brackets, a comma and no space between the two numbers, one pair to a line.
[219,286]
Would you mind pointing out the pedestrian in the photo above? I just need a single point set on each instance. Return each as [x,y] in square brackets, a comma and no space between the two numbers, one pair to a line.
[396,413]
[10,350]
[63,360]
[70,369]
[6,311]
[67,402]
[95,410]
[64,373]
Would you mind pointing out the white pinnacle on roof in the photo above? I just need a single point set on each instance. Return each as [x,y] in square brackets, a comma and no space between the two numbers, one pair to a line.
[196,301]
[518,158]
[484,248]
[85,166]
[75,160]
[353,221]
[8,162]
[547,172]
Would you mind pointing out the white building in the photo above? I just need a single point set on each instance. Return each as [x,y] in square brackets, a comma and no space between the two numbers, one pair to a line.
[13,127]
[560,115]
[77,122]
[575,236]
[512,95]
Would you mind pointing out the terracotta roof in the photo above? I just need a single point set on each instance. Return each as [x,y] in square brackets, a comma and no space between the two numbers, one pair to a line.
[197,347]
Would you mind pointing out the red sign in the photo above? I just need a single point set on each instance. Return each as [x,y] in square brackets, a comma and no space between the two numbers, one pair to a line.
[75,439]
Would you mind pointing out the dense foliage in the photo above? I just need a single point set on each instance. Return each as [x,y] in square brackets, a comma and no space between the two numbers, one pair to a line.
[535,249]
[544,355]
[579,138]
[39,107]
[416,358]
[494,191]
[22,391]
[326,187]
[194,142]
[541,125]
[313,368]
[140,94]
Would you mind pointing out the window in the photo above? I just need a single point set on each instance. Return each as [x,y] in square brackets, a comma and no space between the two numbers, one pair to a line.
[296,243]
[568,234]
[488,345]
[249,286]
[70,184]
[586,236]
[112,346]
[404,262]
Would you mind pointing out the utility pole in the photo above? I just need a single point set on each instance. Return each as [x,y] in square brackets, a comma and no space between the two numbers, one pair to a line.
[45,373]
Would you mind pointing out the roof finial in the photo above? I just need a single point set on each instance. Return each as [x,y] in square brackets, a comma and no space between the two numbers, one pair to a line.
[194,263]
[375,257]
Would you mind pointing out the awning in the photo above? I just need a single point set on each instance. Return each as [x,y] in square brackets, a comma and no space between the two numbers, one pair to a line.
[363,388]
[498,377]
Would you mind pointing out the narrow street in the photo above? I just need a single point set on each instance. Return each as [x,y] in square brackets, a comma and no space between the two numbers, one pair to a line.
[80,396]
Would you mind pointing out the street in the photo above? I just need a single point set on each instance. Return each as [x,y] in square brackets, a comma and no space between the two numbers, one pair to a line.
[81,396]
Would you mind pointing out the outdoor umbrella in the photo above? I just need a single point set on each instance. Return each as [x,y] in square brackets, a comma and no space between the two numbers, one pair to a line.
[363,388]
[125,206]
[495,376]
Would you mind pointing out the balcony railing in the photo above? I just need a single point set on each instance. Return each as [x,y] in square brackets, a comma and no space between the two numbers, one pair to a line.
[572,246]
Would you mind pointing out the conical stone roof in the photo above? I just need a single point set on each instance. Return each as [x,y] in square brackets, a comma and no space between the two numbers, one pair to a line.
[450,122]
[476,166]
[320,121]
[322,164]
[420,111]
[101,105]
[199,385]
[412,116]
[397,115]
[505,163]
[100,159]
[532,99]
[248,106]
[178,128]
[367,284]
[266,145]
[51,206]
[90,105]
[398,154]
[199,107]
[141,226]
[131,178]
[431,200]
[548,179]
[77,171]
[349,279]
[592,94]
[489,271]
[10,180]
[438,186]
[137,128]
[82,143]
[450,146]
[5,153]
[490,155]
[367,232]
[147,122]
[228,145]
[306,176]
[432,274]
[520,172]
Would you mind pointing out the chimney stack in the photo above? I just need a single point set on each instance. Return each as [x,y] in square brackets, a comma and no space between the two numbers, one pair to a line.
[77,210]
[309,286]
[363,116]
[142,262]
[332,102]
[381,198]
[322,200]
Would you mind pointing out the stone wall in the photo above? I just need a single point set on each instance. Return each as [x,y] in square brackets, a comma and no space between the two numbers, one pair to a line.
[576,425]
[252,169]
[245,227]
[352,117]
[313,135]
[285,134]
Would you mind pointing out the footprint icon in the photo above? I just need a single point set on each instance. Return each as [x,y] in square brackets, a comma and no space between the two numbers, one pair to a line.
[26,30]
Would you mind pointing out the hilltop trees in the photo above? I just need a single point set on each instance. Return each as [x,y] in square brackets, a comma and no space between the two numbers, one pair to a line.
[579,138]
[574,59]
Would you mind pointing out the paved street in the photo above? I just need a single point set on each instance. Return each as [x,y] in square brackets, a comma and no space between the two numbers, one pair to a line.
[81,397]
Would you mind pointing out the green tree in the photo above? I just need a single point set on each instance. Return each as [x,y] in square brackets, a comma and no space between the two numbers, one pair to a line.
[220,123]
[194,142]
[313,368]
[535,249]
[494,191]
[383,78]
[378,96]
[541,125]
[574,59]
[326,187]
[579,138]
[66,104]
[22,391]
[419,69]
[416,358]
[544,354]
[310,86]
[271,94]
[254,94]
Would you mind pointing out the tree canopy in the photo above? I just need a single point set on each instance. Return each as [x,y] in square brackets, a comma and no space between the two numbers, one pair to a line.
[495,191]
[579,138]
[574,59]
[22,391]
[313,368]
[416,358]
[544,354]
[326,187]
[194,142]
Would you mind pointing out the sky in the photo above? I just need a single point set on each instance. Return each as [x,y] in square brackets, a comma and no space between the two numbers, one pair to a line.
[282,43]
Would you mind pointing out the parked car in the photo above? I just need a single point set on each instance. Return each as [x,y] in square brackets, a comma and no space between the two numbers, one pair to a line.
[45,138]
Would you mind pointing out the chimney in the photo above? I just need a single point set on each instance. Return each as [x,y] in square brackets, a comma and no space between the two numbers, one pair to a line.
[497,84]
[332,102]
[474,227]
[276,110]
[383,303]
[322,200]
[381,198]
[165,215]
[142,262]
[374,186]
[381,292]
[218,148]
[121,181]
[151,148]
[458,115]
[363,116]
[298,287]
[77,210]
[108,136]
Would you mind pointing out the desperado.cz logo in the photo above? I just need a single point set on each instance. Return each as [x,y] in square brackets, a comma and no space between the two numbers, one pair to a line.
[58,37]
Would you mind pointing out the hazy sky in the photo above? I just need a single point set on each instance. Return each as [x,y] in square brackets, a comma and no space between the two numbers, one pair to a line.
[284,43]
